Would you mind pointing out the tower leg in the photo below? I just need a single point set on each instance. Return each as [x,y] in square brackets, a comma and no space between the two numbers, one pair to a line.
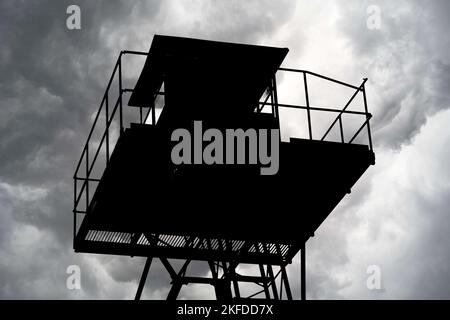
[222,288]
[231,272]
[174,291]
[285,281]
[222,285]
[176,277]
[303,271]
[148,263]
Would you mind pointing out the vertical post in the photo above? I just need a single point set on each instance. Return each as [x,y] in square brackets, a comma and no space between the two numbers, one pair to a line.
[272,99]
[107,128]
[367,114]
[87,177]
[275,94]
[120,93]
[74,208]
[153,115]
[341,128]
[308,111]
[303,271]
[148,263]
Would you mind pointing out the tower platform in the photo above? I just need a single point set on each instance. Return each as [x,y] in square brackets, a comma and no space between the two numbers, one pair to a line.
[142,204]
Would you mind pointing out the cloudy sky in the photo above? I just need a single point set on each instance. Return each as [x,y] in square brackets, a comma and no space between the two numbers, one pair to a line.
[396,218]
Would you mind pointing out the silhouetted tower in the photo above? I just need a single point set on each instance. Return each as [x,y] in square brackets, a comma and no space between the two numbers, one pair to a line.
[137,202]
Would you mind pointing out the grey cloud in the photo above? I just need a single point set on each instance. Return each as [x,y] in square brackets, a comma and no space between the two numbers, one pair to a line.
[404,61]
[243,22]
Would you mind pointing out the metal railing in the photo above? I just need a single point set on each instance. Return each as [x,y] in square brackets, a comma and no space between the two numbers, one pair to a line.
[83,173]
[88,159]
[275,105]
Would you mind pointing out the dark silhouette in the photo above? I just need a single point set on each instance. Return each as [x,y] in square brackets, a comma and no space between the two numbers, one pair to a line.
[142,204]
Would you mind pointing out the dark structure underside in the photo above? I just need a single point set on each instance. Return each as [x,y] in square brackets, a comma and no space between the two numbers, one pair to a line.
[148,207]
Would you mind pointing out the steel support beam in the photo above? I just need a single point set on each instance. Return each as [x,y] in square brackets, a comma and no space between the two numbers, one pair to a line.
[147,265]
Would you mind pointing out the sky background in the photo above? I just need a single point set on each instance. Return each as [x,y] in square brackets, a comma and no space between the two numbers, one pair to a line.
[397,216]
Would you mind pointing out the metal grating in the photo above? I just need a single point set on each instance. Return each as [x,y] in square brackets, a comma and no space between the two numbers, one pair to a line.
[181,242]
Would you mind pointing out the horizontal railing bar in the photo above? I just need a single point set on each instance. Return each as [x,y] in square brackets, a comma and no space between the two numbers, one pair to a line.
[318,109]
[320,76]
[89,179]
[141,53]
[127,90]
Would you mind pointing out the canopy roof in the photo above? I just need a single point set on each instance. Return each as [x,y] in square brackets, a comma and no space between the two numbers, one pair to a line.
[241,68]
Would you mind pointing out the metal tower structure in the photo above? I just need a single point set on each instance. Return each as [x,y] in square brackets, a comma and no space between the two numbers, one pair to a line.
[130,199]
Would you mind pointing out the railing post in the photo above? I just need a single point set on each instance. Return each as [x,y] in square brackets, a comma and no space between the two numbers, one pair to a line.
[107,129]
[367,114]
[75,182]
[275,95]
[272,99]
[120,93]
[308,111]
[153,114]
[341,128]
[87,177]
[85,181]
